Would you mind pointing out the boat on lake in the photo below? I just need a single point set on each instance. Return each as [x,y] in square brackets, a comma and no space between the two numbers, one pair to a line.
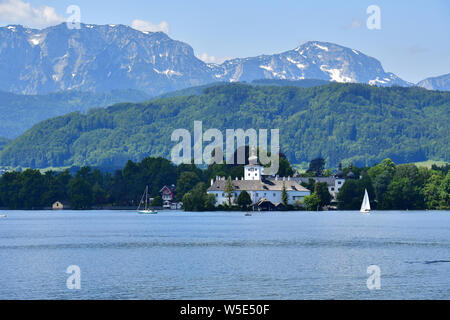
[365,207]
[2,216]
[145,203]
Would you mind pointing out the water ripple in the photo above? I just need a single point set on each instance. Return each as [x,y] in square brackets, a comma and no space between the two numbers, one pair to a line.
[235,244]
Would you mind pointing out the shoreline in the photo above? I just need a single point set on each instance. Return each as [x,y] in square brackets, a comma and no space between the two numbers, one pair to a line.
[227,211]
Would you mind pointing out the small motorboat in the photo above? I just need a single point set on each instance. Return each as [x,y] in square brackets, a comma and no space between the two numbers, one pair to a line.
[2,216]
[248,214]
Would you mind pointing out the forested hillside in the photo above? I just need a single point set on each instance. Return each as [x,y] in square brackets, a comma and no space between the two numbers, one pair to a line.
[361,123]
[18,113]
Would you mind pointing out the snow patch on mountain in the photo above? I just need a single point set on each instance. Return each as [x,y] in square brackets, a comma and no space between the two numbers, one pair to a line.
[321,47]
[36,39]
[168,72]
[336,75]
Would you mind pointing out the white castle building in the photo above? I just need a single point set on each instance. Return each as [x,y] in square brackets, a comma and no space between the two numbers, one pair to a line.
[258,187]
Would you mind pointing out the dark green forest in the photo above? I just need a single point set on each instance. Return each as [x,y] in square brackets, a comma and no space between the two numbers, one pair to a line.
[390,186]
[87,187]
[340,122]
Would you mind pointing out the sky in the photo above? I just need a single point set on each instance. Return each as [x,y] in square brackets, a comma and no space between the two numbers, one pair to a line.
[413,40]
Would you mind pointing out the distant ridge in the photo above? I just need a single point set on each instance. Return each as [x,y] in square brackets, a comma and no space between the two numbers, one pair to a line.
[441,83]
[18,113]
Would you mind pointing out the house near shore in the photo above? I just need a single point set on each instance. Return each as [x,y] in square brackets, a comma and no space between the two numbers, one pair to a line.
[168,194]
[264,192]
[61,205]
[334,183]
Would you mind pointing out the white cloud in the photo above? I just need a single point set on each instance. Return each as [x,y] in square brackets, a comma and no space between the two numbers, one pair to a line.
[147,26]
[20,12]
[212,59]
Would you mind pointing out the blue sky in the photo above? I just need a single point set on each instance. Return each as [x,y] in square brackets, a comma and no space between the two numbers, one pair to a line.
[414,40]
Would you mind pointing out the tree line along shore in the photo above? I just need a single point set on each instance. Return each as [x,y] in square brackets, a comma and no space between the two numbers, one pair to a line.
[390,186]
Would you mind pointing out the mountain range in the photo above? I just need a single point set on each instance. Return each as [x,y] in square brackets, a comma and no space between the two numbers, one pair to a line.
[101,58]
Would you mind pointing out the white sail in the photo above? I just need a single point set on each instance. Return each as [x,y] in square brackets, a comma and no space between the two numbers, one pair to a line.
[365,207]
[146,204]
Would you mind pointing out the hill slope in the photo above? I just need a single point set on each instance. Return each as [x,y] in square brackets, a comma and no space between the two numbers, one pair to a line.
[338,121]
[18,113]
[101,58]
[3,142]
[441,83]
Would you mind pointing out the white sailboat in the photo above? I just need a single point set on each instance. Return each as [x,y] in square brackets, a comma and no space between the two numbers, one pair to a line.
[365,207]
[145,201]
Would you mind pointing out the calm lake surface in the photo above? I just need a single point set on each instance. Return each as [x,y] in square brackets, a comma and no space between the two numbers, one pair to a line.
[177,255]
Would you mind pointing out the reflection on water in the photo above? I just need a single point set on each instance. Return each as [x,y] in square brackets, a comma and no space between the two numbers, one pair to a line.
[176,255]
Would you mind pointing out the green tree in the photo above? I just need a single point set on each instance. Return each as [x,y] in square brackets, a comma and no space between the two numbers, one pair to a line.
[229,189]
[80,194]
[381,184]
[317,166]
[195,199]
[284,195]
[157,202]
[244,200]
[431,191]
[98,194]
[210,202]
[387,166]
[402,195]
[312,202]
[444,192]
[350,196]
[32,188]
[285,168]
[185,183]
[321,190]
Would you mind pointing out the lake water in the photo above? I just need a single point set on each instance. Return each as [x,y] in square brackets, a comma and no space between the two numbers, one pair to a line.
[217,255]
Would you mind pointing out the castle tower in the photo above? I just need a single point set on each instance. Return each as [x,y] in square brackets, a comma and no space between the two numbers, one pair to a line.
[253,171]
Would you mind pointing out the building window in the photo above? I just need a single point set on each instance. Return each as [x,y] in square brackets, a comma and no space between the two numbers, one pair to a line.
[274,194]
[257,195]
[332,189]
[339,182]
